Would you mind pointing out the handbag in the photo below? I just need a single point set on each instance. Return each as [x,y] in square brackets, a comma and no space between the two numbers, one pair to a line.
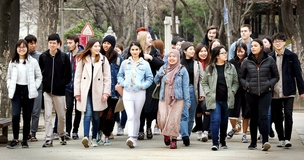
[119,106]
[156,91]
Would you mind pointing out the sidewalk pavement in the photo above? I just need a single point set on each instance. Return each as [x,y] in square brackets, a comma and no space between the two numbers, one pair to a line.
[156,150]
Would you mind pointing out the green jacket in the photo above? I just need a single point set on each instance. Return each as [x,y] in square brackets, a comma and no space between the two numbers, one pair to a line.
[209,82]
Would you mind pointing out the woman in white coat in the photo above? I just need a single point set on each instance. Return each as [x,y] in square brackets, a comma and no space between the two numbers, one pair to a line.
[92,87]
[23,80]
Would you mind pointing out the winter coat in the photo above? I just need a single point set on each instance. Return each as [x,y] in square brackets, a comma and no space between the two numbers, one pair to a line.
[209,83]
[291,73]
[258,79]
[70,86]
[56,72]
[34,77]
[100,79]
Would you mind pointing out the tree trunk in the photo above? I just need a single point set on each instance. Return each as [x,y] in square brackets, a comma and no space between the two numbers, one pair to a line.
[293,26]
[8,9]
[47,23]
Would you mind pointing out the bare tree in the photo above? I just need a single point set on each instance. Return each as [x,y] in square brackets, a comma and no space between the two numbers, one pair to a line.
[48,19]
[237,11]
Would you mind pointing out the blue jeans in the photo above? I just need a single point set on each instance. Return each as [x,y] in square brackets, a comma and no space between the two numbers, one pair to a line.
[88,115]
[219,122]
[188,115]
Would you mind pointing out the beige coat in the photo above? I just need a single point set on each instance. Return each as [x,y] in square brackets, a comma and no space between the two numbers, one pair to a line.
[101,83]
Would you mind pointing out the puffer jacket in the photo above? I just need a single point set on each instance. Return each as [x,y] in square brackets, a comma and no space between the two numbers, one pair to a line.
[260,78]
[34,77]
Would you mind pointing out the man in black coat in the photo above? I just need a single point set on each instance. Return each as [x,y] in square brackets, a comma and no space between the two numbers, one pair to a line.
[290,73]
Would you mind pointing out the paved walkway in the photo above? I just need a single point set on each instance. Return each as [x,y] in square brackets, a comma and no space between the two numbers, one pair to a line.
[156,150]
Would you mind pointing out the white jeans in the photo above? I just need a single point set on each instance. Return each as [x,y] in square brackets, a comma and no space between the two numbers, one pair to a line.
[133,103]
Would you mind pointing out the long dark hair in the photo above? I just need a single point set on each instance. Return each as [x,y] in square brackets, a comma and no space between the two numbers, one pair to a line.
[261,54]
[238,47]
[141,54]
[111,54]
[82,55]
[268,50]
[15,57]
[214,53]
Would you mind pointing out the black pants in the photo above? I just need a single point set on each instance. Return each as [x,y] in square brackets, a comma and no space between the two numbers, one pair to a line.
[70,101]
[259,106]
[107,120]
[21,100]
[277,105]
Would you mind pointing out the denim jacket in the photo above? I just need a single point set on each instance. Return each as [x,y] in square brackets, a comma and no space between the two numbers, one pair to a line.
[181,84]
[143,76]
[114,71]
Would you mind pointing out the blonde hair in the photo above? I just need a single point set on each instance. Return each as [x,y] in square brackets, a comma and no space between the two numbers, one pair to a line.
[141,39]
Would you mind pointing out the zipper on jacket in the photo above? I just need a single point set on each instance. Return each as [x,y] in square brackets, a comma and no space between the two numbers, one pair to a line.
[52,75]
[259,88]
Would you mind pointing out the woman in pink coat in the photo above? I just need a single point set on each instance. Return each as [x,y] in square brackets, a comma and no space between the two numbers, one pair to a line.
[92,87]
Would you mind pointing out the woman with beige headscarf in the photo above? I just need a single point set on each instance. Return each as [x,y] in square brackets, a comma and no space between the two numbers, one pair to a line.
[174,93]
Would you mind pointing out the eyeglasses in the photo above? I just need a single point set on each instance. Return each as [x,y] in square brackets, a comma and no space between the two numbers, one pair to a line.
[278,41]
[21,47]
[223,52]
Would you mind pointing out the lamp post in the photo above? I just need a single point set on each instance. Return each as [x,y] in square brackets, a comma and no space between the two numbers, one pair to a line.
[62,9]
[27,23]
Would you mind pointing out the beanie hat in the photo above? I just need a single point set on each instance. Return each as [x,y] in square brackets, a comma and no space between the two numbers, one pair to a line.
[186,45]
[110,39]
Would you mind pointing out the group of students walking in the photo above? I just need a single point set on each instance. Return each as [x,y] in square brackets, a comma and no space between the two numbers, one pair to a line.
[198,84]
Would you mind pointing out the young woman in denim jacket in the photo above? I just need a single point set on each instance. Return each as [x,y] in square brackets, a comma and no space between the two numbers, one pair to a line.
[174,95]
[135,76]
[23,80]
[220,83]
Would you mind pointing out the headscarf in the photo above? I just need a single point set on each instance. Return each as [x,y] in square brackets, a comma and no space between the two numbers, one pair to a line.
[172,69]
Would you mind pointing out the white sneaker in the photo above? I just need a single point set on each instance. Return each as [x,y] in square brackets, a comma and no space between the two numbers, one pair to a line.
[106,142]
[120,131]
[131,142]
[157,131]
[205,136]
[244,139]
[287,143]
[281,144]
[94,143]
[199,135]
[55,136]
[179,138]
[85,142]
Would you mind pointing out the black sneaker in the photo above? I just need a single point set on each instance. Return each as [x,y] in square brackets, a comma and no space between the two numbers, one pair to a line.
[24,144]
[149,133]
[252,146]
[48,143]
[14,143]
[223,145]
[62,140]
[141,136]
[231,133]
[186,141]
[214,147]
